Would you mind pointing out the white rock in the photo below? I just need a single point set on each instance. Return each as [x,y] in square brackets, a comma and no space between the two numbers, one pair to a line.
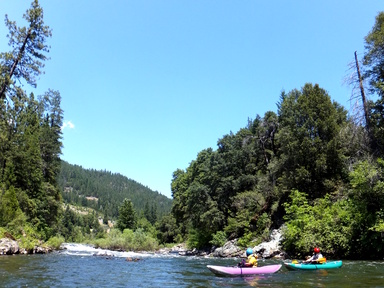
[8,246]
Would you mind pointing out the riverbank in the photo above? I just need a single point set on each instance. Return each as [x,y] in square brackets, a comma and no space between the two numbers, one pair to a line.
[265,250]
[10,246]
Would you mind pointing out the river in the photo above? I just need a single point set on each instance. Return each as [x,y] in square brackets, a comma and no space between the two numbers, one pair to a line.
[76,266]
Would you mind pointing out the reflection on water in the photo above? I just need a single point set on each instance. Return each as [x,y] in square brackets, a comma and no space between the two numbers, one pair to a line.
[76,266]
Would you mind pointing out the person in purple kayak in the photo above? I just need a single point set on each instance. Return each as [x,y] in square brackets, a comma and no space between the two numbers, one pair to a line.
[251,259]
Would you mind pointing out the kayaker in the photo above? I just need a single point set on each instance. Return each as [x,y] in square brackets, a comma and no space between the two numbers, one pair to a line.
[315,257]
[251,259]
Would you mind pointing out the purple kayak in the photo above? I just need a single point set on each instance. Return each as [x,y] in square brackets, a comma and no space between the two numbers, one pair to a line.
[240,271]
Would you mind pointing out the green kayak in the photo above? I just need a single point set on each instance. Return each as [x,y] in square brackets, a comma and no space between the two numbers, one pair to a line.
[308,266]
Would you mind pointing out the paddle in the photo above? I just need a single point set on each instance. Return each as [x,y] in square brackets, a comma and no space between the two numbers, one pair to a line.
[321,260]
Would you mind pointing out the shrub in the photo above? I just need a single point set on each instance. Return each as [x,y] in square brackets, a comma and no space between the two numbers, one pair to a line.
[326,224]
[219,239]
[55,242]
[197,239]
[129,240]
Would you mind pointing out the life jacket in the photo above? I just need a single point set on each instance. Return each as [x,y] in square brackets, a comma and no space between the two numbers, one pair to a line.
[252,259]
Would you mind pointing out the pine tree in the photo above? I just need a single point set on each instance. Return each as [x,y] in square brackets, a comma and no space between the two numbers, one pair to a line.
[25,61]
[374,65]
[127,216]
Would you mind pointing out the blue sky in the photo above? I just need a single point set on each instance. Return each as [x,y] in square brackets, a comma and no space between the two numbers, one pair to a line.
[146,85]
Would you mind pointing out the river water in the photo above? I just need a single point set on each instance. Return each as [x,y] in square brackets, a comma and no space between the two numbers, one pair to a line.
[77,266]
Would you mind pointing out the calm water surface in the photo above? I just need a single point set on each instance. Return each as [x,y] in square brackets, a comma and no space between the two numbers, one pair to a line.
[78,267]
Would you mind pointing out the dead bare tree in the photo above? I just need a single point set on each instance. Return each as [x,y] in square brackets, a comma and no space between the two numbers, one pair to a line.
[359,107]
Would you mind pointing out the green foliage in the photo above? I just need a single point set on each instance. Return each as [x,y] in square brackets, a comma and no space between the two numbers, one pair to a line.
[150,213]
[379,225]
[310,153]
[367,181]
[55,242]
[78,227]
[367,191]
[128,240]
[167,230]
[27,57]
[30,132]
[373,58]
[146,226]
[143,241]
[325,224]
[28,236]
[206,194]
[239,225]
[127,216]
[110,190]
[9,206]
[374,72]
[219,239]
[262,226]
[239,188]
[28,243]
[20,227]
[114,240]
[245,207]
[198,239]
[247,240]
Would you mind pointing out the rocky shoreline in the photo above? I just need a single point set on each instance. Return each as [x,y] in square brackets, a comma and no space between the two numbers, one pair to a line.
[10,246]
[266,250]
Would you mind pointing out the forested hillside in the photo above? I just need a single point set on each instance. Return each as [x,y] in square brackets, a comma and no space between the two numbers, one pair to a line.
[105,191]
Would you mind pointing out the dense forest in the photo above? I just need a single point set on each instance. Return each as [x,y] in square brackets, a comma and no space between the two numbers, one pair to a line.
[309,168]
[105,191]
[30,134]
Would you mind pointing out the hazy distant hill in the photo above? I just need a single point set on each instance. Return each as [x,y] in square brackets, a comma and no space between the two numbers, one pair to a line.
[104,191]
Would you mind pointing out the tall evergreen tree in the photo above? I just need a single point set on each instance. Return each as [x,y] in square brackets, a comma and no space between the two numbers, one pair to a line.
[374,64]
[310,153]
[50,139]
[27,57]
[127,216]
[374,56]
[30,134]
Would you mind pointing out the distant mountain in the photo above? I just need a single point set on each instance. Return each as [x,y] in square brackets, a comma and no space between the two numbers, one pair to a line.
[105,191]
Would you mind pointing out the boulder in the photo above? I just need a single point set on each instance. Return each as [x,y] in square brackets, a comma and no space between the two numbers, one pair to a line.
[179,248]
[8,246]
[130,259]
[230,249]
[41,250]
[272,248]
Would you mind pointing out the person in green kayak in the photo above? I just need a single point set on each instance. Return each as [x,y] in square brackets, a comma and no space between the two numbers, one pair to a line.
[317,257]
[251,259]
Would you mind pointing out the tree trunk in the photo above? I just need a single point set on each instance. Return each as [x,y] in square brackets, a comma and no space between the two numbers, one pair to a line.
[362,92]
[19,56]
